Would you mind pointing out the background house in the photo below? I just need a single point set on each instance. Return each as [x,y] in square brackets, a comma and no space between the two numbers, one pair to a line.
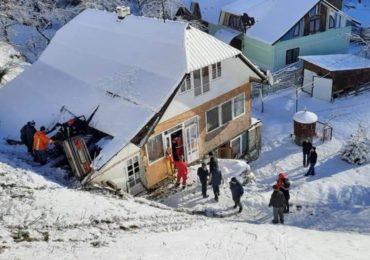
[153,81]
[326,76]
[273,37]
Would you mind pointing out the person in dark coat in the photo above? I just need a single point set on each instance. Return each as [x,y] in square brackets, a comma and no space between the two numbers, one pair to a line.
[212,162]
[203,178]
[27,133]
[285,189]
[306,148]
[236,192]
[216,180]
[312,160]
[277,201]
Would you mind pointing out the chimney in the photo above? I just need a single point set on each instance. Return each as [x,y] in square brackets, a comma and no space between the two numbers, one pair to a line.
[123,11]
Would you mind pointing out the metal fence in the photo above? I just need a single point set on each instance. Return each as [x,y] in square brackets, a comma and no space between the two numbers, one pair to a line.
[324,131]
[289,76]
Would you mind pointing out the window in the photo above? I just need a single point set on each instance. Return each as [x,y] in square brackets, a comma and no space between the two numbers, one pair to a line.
[133,171]
[314,25]
[239,105]
[213,120]
[186,84]
[291,56]
[201,81]
[225,112]
[296,30]
[205,79]
[314,19]
[155,148]
[239,145]
[332,22]
[235,22]
[216,70]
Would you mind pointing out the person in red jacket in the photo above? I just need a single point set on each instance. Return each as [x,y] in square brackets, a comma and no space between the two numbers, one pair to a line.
[40,145]
[182,172]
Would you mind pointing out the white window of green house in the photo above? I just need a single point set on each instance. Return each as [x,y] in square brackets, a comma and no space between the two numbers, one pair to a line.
[224,113]
[155,148]
[216,70]
[186,84]
[201,81]
[133,171]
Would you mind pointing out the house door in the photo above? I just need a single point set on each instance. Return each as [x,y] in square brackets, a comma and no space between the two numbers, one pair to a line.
[322,88]
[192,140]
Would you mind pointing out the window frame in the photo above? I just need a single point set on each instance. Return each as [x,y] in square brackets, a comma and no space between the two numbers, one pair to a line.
[332,22]
[202,84]
[219,110]
[136,179]
[163,149]
[293,51]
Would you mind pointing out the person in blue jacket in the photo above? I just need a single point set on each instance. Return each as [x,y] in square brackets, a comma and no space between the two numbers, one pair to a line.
[216,180]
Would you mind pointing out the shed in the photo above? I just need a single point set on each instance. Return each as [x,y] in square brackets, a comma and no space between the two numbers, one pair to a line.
[327,76]
[304,126]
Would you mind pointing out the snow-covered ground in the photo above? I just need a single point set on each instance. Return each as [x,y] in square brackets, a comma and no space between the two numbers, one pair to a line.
[43,215]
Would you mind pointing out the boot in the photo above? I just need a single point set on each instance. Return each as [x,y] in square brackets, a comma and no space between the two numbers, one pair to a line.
[240,208]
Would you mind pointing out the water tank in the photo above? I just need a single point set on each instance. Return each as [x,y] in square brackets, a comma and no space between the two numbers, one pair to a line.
[304,126]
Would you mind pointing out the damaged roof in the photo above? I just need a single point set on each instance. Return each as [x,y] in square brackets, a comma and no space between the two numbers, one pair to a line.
[128,67]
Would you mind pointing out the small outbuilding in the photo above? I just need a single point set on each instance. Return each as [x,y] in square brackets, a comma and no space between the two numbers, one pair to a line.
[304,126]
[327,76]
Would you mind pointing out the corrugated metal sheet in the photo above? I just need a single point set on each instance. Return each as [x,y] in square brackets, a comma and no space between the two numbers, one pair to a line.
[203,49]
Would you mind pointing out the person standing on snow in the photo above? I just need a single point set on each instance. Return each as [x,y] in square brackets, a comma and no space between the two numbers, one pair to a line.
[277,201]
[283,185]
[236,192]
[203,178]
[182,172]
[306,148]
[312,161]
[27,133]
[212,162]
[40,145]
[216,180]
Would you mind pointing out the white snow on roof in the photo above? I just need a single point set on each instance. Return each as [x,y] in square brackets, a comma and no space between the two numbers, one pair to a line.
[129,68]
[305,117]
[273,18]
[338,62]
[226,35]
[359,10]
[210,9]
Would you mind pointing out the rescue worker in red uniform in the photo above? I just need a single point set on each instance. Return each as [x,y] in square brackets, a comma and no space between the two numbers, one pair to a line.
[40,145]
[182,172]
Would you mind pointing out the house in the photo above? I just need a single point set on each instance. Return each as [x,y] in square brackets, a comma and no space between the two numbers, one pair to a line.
[326,76]
[160,86]
[272,33]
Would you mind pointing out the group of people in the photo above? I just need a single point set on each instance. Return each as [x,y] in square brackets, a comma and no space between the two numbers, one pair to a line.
[280,198]
[214,177]
[36,141]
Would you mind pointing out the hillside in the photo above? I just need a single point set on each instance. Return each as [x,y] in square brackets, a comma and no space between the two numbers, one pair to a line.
[45,216]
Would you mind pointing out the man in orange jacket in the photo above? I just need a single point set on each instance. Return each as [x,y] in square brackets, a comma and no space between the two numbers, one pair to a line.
[40,145]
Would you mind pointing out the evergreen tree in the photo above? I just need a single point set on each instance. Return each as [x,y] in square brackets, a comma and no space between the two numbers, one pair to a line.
[357,147]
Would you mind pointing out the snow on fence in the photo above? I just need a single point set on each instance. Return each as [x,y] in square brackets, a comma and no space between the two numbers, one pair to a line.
[324,131]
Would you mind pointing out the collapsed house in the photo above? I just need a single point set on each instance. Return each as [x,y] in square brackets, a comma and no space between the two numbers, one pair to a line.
[151,85]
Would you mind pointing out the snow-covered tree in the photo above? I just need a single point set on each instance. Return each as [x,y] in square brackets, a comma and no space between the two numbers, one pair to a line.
[357,147]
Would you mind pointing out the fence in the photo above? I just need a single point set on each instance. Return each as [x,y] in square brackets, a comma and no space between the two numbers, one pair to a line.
[324,131]
[289,76]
